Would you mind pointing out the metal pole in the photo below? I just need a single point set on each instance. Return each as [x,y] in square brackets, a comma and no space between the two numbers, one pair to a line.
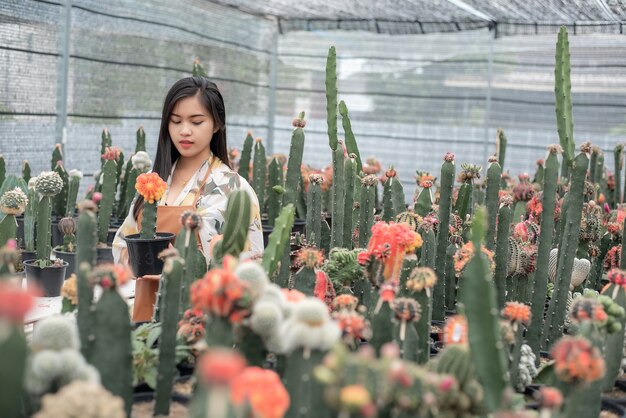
[271,114]
[488,98]
[63,75]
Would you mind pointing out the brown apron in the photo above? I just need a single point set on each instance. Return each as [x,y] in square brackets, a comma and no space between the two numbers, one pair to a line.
[168,220]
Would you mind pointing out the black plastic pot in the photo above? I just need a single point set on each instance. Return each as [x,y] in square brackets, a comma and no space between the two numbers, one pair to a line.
[185,369]
[71,261]
[57,236]
[267,230]
[20,230]
[104,255]
[143,388]
[28,255]
[111,235]
[149,396]
[49,279]
[299,225]
[143,253]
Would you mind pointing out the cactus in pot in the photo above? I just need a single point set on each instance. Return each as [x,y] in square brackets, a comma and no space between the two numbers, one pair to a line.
[105,211]
[463,205]
[12,203]
[259,169]
[48,185]
[246,157]
[140,163]
[25,171]
[314,212]
[275,190]
[30,216]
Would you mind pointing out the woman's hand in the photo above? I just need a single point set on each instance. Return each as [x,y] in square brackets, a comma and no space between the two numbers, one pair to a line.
[155,277]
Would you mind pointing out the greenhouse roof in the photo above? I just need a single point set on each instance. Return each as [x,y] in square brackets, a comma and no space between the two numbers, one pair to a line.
[426,16]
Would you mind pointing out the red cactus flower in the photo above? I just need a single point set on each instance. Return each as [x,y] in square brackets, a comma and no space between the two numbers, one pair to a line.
[220,366]
[517,312]
[455,330]
[550,398]
[577,361]
[345,302]
[262,391]
[15,302]
[617,276]
[111,153]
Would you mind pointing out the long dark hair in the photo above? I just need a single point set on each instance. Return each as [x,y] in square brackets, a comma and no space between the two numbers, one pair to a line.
[212,100]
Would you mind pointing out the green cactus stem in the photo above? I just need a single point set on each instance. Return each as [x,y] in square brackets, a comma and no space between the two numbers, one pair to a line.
[43,230]
[351,145]
[3,169]
[502,249]
[105,141]
[553,326]
[72,191]
[597,269]
[173,272]
[349,177]
[393,196]
[140,144]
[112,350]
[109,170]
[331,98]
[236,225]
[314,213]
[195,263]
[424,201]
[599,173]
[448,170]
[501,147]
[86,238]
[60,200]
[246,157]
[593,166]
[494,172]
[304,280]
[130,189]
[479,302]
[614,345]
[278,240]
[367,207]
[618,154]
[306,394]
[538,297]
[13,351]
[563,96]
[538,179]
[259,172]
[30,217]
[301,199]
[338,196]
[275,190]
[463,204]
[296,150]
[25,171]
[57,155]
[381,318]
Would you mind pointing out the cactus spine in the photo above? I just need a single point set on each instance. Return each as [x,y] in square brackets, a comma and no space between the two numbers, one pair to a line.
[393,196]
[3,169]
[259,169]
[338,191]
[351,145]
[563,96]
[140,144]
[553,326]
[86,238]
[448,170]
[618,153]
[173,277]
[294,173]
[109,170]
[367,207]
[494,173]
[479,302]
[60,200]
[72,191]
[30,217]
[13,350]
[195,262]
[501,148]
[236,224]
[314,212]
[275,190]
[246,156]
[112,350]
[25,171]
[546,231]
[349,177]
[278,240]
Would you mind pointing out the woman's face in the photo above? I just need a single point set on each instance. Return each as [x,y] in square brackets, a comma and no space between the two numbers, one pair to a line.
[191,128]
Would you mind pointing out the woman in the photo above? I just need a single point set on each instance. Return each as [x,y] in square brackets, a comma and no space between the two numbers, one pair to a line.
[192,156]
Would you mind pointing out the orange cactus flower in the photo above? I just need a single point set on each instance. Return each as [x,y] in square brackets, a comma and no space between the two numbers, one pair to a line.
[263,392]
[191,327]
[310,257]
[353,325]
[110,275]
[455,330]
[151,187]
[15,302]
[464,254]
[111,153]
[577,361]
[293,295]
[550,398]
[354,397]
[345,302]
[220,366]
[517,312]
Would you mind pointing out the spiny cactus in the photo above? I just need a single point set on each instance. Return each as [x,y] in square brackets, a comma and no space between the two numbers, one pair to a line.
[60,201]
[90,398]
[140,144]
[75,177]
[275,190]
[393,196]
[139,163]
[48,185]
[338,191]
[351,145]
[259,172]
[424,200]
[3,169]
[12,203]
[278,240]
[550,179]
[246,156]
[67,226]
[367,208]
[494,173]
[236,225]
[463,205]
[618,153]
[406,312]
[30,216]
[563,96]
[349,181]
[419,286]
[105,142]
[109,173]
[152,187]
[195,265]
[26,175]
[445,201]
[614,345]
[314,213]
[501,147]
[294,173]
[502,249]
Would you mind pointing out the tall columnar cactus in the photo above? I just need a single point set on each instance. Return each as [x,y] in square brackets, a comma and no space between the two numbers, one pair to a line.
[87,239]
[294,173]
[406,312]
[501,147]
[48,185]
[112,350]
[140,144]
[197,69]
[445,201]
[538,179]
[599,173]
[424,200]
[555,319]
[618,154]
[109,173]
[597,269]
[195,263]
[3,169]
[367,208]
[278,240]
[593,166]
[550,180]
[563,96]
[479,303]
[57,155]
[494,172]
[331,98]
[75,177]
[140,163]
[463,206]
[314,212]
[12,203]
[305,278]
[419,286]
[25,172]
[259,172]
[60,201]
[246,156]
[105,142]
[30,216]
[351,145]
[349,177]
[173,279]
[393,196]
[338,191]
[152,187]
[614,346]
[275,189]
[236,225]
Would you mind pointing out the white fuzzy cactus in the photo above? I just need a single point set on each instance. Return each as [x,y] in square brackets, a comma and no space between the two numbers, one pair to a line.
[310,327]
[254,276]
[82,399]
[55,333]
[13,202]
[527,368]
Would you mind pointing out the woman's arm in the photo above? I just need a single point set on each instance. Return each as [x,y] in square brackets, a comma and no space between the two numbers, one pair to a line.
[128,227]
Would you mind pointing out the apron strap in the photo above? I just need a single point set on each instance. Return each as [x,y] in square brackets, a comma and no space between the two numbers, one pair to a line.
[204,180]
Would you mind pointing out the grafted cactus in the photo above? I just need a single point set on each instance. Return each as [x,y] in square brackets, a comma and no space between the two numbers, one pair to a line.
[12,203]
[259,169]
[48,185]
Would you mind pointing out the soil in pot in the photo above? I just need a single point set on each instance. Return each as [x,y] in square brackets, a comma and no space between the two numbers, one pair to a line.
[184,385]
[71,261]
[143,406]
[49,279]
[143,253]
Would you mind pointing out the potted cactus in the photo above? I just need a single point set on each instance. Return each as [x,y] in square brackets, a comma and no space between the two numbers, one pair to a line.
[12,204]
[67,250]
[144,248]
[47,274]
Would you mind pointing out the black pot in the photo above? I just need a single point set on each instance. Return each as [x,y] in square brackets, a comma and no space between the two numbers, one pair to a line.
[267,230]
[436,336]
[49,279]
[143,388]
[143,253]
[28,255]
[71,261]
[57,236]
[614,407]
[149,396]
[20,230]
[104,255]
[185,369]
[111,235]
[298,226]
